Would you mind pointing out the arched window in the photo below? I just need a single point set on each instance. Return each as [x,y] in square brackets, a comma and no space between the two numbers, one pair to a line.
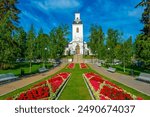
[77,30]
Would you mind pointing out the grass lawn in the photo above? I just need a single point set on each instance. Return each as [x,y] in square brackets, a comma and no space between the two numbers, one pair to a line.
[25,67]
[76,88]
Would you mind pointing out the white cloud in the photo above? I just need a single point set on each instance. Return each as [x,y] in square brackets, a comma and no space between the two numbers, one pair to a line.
[29,15]
[57,4]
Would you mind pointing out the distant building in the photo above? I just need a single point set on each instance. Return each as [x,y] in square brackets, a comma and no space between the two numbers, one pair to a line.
[77,45]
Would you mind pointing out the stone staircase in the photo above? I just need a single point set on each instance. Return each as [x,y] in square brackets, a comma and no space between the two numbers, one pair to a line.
[78,58]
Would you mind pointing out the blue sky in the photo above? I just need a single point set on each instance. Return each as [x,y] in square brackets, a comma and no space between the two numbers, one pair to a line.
[116,14]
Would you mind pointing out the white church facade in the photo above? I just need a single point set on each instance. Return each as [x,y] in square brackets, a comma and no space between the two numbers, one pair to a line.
[77,45]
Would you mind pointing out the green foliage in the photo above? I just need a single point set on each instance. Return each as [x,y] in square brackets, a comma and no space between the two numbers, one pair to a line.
[113,48]
[146,17]
[8,20]
[126,52]
[112,41]
[96,42]
[143,49]
[30,45]
[58,41]
[143,39]
[8,8]
[20,39]
[41,46]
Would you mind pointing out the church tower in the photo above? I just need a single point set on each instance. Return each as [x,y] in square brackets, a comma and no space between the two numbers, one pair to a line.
[77,45]
[77,29]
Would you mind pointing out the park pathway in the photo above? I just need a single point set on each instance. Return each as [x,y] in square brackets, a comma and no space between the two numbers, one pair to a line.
[124,79]
[78,58]
[6,88]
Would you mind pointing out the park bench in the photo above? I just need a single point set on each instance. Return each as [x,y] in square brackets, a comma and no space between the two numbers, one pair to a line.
[144,77]
[43,69]
[55,64]
[110,69]
[99,64]
[7,77]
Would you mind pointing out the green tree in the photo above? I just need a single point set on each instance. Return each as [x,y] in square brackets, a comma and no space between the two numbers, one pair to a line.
[8,25]
[126,52]
[143,49]
[30,46]
[112,40]
[96,42]
[22,38]
[58,41]
[42,48]
[8,7]
[143,39]
[8,45]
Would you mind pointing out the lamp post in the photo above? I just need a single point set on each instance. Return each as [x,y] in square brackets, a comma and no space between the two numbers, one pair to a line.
[108,54]
[45,56]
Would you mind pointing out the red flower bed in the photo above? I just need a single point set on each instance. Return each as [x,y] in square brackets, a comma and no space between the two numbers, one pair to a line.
[83,66]
[89,75]
[71,66]
[107,89]
[95,82]
[34,94]
[65,75]
[42,90]
[55,83]
[115,94]
[98,79]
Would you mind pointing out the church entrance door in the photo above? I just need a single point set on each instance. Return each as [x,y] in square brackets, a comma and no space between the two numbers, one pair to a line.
[78,49]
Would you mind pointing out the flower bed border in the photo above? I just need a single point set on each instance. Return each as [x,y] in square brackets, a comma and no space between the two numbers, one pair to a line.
[87,67]
[89,88]
[67,67]
[97,95]
[52,96]
[62,88]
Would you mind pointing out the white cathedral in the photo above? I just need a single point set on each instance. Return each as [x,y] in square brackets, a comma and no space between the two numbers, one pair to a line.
[77,45]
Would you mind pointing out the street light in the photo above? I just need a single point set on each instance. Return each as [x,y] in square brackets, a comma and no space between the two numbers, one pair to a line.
[45,56]
[108,54]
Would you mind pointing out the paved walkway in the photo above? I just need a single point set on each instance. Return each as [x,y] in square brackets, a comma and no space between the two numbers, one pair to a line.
[6,88]
[124,79]
[78,58]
